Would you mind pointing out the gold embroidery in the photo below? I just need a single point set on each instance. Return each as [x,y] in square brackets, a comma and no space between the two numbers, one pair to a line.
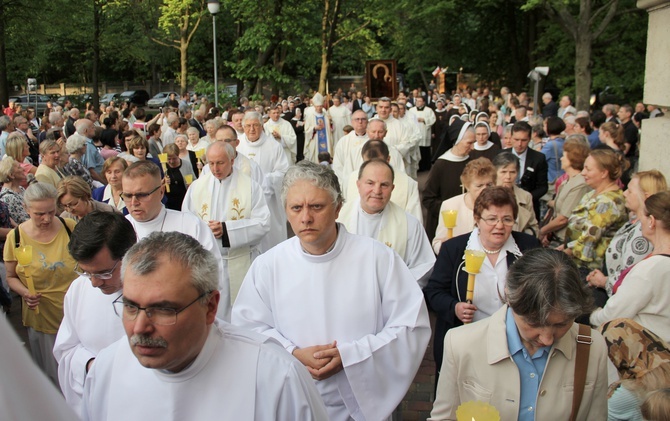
[388,244]
[237,210]
[204,212]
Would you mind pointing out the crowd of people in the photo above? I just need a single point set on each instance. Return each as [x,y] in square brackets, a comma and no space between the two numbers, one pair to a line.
[278,260]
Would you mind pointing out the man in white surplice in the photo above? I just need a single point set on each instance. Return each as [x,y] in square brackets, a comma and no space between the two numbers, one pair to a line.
[345,305]
[374,215]
[340,116]
[282,131]
[234,207]
[178,361]
[89,324]
[425,116]
[142,194]
[397,135]
[348,147]
[270,157]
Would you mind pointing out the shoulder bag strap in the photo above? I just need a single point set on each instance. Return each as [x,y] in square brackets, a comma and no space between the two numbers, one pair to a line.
[584,342]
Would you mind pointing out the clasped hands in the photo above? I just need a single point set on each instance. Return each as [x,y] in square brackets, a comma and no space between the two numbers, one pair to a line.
[322,361]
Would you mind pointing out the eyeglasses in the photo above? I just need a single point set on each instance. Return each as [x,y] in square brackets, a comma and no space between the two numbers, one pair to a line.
[492,221]
[128,197]
[71,205]
[100,275]
[249,126]
[163,316]
[230,140]
[359,119]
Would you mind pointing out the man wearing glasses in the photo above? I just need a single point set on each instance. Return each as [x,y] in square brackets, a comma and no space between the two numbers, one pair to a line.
[142,194]
[178,361]
[89,324]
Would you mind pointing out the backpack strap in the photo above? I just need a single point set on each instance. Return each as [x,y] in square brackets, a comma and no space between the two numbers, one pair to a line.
[584,342]
[67,229]
[17,233]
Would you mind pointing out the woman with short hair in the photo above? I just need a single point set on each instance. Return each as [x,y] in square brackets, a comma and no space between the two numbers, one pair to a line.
[17,147]
[522,359]
[74,196]
[507,168]
[47,170]
[112,170]
[76,148]
[12,177]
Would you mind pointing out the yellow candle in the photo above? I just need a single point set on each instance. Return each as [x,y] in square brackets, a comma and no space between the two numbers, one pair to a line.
[199,153]
[188,178]
[24,255]
[163,157]
[449,218]
[473,261]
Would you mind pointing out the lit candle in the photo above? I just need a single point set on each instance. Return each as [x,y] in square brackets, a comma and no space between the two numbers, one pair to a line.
[473,264]
[188,178]
[449,219]
[25,257]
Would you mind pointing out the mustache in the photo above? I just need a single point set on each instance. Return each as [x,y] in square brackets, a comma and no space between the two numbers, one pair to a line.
[143,340]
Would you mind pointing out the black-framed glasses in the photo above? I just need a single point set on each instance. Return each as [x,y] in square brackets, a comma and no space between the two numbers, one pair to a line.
[164,316]
[128,197]
[100,275]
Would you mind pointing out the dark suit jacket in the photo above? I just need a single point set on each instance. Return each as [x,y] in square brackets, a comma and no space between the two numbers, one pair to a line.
[550,110]
[448,284]
[534,180]
[195,123]
[357,105]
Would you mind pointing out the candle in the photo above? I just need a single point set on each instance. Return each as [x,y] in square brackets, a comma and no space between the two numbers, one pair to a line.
[163,157]
[24,255]
[473,263]
[449,219]
[477,410]
[199,153]
[188,178]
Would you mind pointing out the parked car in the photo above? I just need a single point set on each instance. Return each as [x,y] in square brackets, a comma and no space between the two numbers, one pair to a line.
[160,99]
[73,99]
[38,101]
[139,97]
[109,97]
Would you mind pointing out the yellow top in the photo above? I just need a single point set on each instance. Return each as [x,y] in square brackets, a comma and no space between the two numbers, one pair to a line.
[52,271]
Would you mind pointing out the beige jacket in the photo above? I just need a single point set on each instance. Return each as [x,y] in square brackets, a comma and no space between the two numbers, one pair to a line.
[477,365]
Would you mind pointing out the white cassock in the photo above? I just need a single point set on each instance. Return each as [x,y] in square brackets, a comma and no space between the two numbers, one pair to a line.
[238,201]
[405,193]
[270,157]
[428,116]
[340,117]
[415,128]
[238,375]
[26,392]
[288,140]
[397,229]
[169,220]
[89,325]
[344,159]
[400,138]
[311,150]
[361,295]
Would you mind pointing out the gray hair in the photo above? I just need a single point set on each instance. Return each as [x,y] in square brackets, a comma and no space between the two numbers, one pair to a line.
[6,169]
[569,119]
[508,128]
[82,126]
[319,175]
[506,158]
[55,117]
[193,130]
[4,122]
[75,143]
[213,122]
[39,191]
[372,120]
[250,116]
[580,138]
[545,281]
[172,117]
[143,258]
[230,151]
[182,136]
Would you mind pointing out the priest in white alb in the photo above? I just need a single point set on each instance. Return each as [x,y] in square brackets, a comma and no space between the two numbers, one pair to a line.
[344,305]
[270,157]
[374,215]
[234,207]
[177,361]
[397,135]
[142,193]
[89,324]
[318,134]
[348,147]
[340,116]
[282,131]
[426,118]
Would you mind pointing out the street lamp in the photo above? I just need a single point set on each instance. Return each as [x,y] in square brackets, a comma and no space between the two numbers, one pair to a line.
[213,6]
[535,75]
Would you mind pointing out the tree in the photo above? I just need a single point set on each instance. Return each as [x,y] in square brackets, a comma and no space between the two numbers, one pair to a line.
[179,20]
[583,21]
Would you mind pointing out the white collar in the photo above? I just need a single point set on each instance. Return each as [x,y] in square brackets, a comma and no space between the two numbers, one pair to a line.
[509,246]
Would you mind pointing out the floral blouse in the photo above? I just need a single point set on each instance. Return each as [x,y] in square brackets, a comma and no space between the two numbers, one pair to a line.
[75,167]
[627,248]
[592,225]
[14,202]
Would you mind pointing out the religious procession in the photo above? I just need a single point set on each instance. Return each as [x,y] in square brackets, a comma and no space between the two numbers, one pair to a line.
[461,249]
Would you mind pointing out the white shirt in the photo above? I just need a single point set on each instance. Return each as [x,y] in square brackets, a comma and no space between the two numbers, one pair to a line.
[89,325]
[344,158]
[238,375]
[360,294]
[288,138]
[522,162]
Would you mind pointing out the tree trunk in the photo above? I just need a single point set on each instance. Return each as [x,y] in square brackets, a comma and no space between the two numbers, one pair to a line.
[327,39]
[96,52]
[583,70]
[183,53]
[323,75]
[4,87]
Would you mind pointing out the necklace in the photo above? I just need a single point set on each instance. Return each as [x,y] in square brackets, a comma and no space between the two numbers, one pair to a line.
[491,251]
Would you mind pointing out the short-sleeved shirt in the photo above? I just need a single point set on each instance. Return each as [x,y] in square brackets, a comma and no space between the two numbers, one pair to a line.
[92,158]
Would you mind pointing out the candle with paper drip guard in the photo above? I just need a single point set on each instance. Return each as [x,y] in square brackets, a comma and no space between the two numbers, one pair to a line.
[449,219]
[24,255]
[477,411]
[188,179]
[473,264]
[163,157]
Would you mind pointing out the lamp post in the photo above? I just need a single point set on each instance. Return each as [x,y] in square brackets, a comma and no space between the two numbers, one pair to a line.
[535,75]
[213,6]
